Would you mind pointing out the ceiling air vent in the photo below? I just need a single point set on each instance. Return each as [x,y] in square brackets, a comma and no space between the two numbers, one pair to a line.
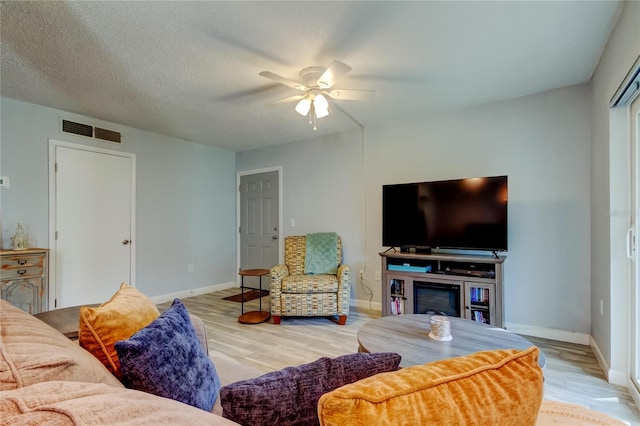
[108,135]
[77,128]
[91,132]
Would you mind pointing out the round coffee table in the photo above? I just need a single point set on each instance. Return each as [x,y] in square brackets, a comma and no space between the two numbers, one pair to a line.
[408,335]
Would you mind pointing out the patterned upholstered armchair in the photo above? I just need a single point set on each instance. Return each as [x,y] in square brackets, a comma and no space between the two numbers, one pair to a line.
[294,293]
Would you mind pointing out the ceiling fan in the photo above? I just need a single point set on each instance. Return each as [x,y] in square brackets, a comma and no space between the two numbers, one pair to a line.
[317,84]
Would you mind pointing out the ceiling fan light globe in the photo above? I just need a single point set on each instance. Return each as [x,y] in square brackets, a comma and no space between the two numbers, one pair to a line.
[321,113]
[320,102]
[303,107]
[321,106]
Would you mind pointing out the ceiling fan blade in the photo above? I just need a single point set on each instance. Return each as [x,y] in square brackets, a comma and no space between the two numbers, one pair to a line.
[332,74]
[286,100]
[351,95]
[282,80]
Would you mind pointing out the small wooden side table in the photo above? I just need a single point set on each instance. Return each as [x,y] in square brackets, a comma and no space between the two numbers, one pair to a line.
[253,317]
[65,320]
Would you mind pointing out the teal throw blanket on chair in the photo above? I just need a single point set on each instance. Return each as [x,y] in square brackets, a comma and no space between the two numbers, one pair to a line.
[321,253]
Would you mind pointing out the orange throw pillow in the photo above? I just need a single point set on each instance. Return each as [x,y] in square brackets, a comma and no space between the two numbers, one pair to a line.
[119,318]
[501,387]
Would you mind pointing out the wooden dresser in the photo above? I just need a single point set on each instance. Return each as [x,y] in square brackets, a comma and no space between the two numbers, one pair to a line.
[24,278]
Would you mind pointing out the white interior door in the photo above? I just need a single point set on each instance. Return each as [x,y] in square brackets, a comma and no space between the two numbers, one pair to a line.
[92,207]
[259,220]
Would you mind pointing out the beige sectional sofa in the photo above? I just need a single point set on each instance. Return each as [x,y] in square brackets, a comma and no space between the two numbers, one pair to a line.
[46,378]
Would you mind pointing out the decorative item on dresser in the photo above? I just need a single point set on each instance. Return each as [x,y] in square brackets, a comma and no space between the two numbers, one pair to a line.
[24,278]
[19,239]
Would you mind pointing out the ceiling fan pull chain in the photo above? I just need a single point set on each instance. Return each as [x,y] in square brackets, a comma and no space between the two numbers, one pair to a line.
[312,116]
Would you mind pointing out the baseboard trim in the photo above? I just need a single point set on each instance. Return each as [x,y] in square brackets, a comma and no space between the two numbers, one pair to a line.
[193,292]
[633,390]
[599,357]
[365,304]
[615,377]
[549,333]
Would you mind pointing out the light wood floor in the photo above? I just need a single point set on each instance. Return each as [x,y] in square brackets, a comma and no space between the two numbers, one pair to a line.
[572,373]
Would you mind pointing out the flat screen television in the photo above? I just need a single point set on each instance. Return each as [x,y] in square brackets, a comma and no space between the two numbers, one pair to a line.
[468,214]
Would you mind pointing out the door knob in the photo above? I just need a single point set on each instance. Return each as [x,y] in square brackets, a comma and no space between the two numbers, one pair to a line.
[275,237]
[125,242]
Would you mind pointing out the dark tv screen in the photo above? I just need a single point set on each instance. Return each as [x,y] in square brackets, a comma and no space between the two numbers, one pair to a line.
[459,214]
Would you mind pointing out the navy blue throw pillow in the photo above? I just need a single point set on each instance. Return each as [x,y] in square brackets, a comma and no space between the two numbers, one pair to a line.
[166,359]
[289,397]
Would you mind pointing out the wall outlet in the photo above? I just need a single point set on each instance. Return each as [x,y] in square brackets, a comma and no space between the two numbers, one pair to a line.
[361,274]
[377,276]
[292,222]
[190,267]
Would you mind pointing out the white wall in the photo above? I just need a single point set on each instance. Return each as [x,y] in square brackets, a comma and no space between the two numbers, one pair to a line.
[610,188]
[185,197]
[541,142]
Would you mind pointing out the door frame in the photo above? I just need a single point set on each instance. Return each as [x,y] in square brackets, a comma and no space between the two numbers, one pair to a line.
[625,323]
[53,145]
[238,219]
[633,315]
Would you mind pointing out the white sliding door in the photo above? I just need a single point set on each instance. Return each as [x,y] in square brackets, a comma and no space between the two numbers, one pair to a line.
[634,308]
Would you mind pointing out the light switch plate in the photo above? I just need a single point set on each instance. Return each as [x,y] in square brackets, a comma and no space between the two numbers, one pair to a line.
[4,182]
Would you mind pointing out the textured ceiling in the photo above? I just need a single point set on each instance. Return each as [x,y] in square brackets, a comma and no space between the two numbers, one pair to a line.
[190,69]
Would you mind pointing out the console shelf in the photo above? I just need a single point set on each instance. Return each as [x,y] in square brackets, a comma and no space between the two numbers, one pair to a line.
[471,285]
